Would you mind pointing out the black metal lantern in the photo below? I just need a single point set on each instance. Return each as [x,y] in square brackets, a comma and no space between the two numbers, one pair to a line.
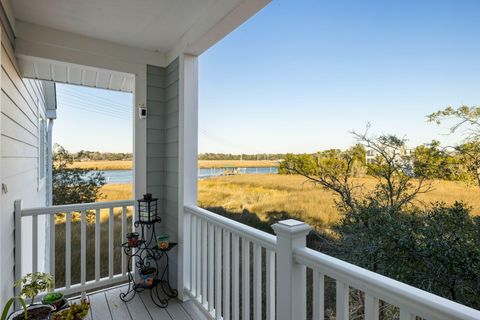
[147,209]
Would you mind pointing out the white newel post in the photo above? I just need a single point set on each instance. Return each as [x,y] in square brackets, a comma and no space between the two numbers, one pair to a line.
[291,276]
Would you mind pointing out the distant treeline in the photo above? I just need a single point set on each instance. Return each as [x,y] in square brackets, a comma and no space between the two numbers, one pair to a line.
[85,155]
[244,156]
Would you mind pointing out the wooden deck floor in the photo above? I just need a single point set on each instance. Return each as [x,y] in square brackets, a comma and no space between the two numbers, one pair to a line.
[106,305]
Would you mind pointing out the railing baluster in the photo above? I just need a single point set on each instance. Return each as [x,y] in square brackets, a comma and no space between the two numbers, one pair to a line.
[270,266]
[405,315]
[124,239]
[371,307]
[204,262]
[245,279]
[35,243]
[318,296]
[211,268]
[257,282]
[97,245]
[111,235]
[236,278]
[342,304]
[199,259]
[52,245]
[218,273]
[193,256]
[68,249]
[226,274]
[83,248]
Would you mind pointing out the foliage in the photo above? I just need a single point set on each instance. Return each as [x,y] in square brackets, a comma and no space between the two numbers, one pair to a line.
[433,162]
[463,115]
[229,156]
[469,152]
[73,185]
[436,249]
[9,305]
[85,155]
[392,168]
[52,297]
[331,169]
[34,283]
[73,312]
[469,156]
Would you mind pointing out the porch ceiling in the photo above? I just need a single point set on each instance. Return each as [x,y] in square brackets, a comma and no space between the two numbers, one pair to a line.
[147,24]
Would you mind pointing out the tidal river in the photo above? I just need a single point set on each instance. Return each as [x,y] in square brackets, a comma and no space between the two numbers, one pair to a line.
[126,176]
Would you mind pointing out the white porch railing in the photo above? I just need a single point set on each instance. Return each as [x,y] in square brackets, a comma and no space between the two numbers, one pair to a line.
[221,249]
[84,208]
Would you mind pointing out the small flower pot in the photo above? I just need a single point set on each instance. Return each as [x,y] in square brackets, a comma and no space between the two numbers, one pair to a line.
[34,312]
[148,275]
[132,239]
[55,299]
[163,241]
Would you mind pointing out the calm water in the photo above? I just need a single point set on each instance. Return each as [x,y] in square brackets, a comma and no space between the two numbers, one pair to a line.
[126,176]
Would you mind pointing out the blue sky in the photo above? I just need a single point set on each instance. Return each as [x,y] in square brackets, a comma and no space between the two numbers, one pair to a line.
[300,75]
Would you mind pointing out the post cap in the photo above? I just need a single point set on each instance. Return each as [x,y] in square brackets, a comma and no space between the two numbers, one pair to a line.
[291,227]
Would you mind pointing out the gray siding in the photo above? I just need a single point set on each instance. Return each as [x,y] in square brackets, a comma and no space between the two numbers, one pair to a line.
[22,106]
[162,148]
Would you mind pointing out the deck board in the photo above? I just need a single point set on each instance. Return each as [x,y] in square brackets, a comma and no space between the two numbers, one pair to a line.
[107,305]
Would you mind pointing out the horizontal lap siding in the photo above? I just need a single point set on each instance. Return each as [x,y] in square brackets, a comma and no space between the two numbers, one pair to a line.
[162,147]
[22,104]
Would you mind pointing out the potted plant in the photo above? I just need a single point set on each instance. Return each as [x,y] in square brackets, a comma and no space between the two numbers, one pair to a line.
[73,312]
[32,284]
[9,304]
[148,275]
[55,299]
[132,239]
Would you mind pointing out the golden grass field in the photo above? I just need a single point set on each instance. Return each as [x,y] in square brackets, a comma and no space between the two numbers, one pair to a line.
[127,165]
[273,193]
[261,195]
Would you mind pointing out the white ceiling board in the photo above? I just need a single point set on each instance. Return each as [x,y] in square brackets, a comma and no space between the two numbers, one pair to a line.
[146,24]
[50,70]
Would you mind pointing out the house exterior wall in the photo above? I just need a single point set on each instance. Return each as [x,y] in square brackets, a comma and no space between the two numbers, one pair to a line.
[162,148]
[23,122]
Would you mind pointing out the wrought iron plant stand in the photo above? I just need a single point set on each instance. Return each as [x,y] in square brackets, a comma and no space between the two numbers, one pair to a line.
[147,254]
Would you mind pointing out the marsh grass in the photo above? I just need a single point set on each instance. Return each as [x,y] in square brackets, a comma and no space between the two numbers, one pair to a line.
[128,165]
[292,196]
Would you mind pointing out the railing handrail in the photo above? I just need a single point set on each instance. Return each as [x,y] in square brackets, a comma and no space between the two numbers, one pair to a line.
[76,207]
[416,300]
[267,240]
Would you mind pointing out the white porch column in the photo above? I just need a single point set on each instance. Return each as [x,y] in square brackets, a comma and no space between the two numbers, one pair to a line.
[188,150]
[291,276]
